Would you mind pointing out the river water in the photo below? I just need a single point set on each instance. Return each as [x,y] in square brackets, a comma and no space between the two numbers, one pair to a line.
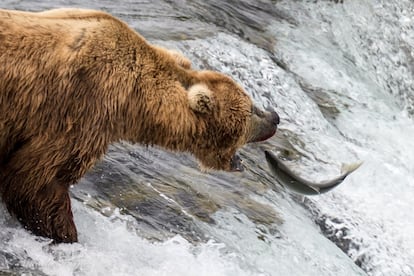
[341,78]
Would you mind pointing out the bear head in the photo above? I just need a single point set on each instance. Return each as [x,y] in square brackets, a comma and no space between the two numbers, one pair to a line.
[230,120]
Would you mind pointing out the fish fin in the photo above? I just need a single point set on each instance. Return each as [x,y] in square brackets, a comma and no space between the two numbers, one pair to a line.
[349,168]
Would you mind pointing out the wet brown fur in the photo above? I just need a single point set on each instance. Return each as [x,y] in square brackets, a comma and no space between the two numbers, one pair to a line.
[72,82]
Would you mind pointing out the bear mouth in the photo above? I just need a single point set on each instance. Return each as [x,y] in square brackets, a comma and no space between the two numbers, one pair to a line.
[236,164]
[264,137]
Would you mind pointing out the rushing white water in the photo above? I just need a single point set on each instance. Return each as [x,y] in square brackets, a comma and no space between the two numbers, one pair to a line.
[340,76]
[362,52]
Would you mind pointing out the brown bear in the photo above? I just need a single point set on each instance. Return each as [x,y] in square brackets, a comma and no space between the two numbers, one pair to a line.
[73,81]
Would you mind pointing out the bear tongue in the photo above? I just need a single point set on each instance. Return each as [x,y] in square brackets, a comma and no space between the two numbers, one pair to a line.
[236,164]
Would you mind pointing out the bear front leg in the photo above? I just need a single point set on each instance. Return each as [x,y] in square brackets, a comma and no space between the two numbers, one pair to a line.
[45,212]
[32,191]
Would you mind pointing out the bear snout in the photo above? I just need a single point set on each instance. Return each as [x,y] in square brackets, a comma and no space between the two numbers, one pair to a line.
[264,125]
[274,118]
[236,164]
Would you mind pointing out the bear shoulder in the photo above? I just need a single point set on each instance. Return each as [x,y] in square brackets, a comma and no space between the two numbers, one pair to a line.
[60,13]
[71,18]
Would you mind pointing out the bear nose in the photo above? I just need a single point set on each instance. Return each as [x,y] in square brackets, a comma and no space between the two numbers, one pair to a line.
[274,117]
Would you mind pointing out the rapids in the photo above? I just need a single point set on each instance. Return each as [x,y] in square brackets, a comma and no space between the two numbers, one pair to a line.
[341,78]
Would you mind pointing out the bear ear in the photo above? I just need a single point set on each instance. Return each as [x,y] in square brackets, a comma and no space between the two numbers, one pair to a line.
[200,98]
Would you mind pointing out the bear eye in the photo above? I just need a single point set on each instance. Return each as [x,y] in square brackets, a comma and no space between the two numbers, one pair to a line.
[257,111]
[253,109]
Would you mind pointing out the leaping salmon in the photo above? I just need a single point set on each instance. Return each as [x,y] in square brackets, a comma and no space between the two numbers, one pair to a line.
[296,183]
